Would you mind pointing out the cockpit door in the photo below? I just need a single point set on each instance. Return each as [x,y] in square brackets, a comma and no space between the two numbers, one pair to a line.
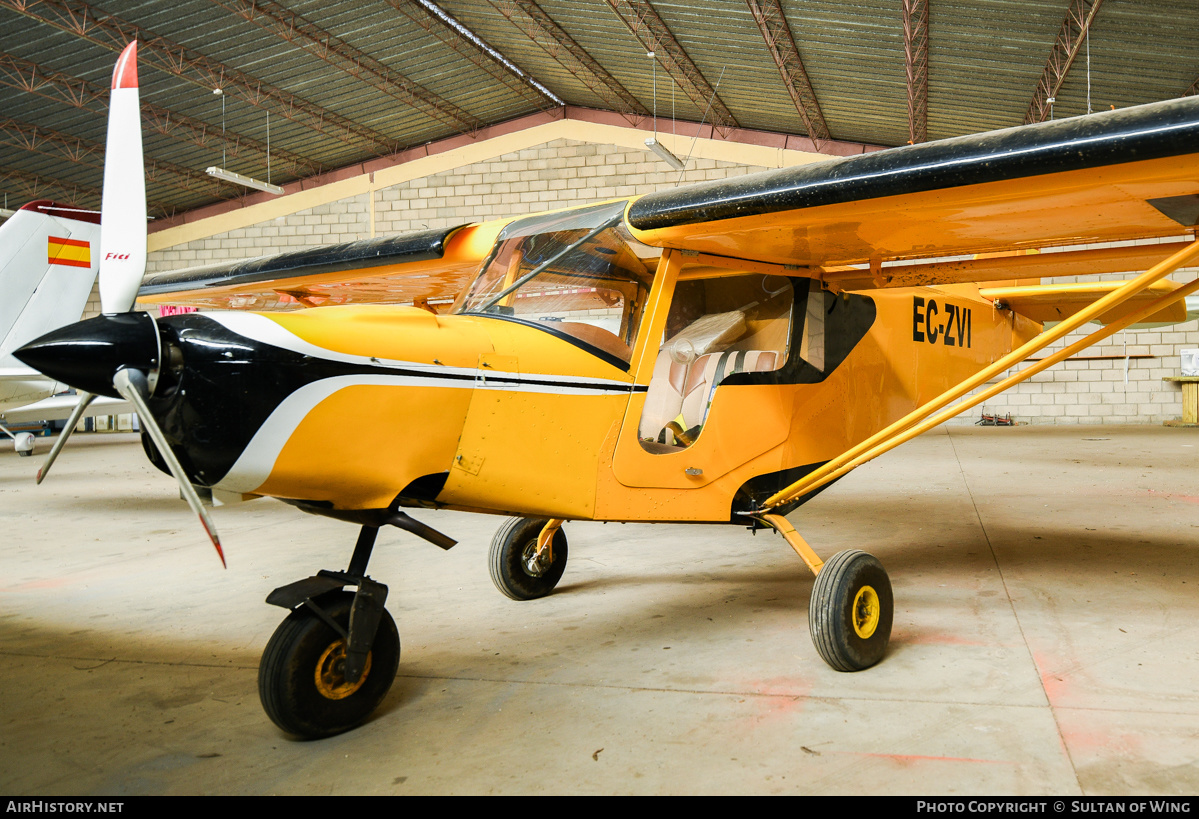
[711,322]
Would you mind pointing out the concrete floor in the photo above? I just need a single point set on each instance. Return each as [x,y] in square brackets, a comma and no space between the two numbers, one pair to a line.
[1046,638]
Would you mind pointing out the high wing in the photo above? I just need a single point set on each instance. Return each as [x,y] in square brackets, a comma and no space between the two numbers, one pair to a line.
[978,208]
[422,265]
[897,214]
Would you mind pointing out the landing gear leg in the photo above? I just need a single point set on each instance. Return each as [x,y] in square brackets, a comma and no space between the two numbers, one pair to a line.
[851,609]
[333,659]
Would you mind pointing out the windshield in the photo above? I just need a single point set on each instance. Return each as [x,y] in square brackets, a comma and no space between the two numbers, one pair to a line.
[578,274]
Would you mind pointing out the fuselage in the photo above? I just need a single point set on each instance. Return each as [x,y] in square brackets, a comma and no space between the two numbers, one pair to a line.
[582,374]
[370,407]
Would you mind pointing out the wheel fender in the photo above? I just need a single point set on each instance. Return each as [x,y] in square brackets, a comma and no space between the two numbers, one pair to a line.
[365,614]
[310,588]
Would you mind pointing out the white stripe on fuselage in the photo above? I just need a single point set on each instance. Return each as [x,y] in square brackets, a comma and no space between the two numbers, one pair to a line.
[256,461]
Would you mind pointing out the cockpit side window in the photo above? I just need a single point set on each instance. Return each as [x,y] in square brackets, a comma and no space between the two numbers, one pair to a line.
[717,326]
[585,279]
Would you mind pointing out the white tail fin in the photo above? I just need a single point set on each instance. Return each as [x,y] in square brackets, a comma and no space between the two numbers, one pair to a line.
[124,200]
[49,256]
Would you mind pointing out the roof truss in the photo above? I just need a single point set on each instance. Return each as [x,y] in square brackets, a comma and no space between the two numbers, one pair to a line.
[293,28]
[539,27]
[111,32]
[1070,39]
[78,93]
[655,36]
[768,14]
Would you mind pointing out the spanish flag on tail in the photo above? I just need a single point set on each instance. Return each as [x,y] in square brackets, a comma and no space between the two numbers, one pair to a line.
[70,252]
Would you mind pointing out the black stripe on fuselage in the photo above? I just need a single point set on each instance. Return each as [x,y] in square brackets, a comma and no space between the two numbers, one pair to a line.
[213,404]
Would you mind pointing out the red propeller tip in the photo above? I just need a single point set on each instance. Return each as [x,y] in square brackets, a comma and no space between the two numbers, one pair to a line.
[216,542]
[124,73]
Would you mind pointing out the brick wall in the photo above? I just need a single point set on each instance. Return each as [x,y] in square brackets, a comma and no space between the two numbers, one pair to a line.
[567,172]
[1118,381]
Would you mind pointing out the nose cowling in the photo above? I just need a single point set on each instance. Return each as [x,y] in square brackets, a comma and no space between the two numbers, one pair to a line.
[87,354]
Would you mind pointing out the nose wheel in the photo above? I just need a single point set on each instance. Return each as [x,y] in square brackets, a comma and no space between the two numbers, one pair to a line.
[302,678]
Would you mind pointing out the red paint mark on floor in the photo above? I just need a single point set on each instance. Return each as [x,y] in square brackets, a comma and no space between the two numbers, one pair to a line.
[1173,497]
[909,758]
[33,585]
[1057,684]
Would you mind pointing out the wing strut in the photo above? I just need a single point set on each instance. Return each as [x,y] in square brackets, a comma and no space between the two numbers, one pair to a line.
[933,412]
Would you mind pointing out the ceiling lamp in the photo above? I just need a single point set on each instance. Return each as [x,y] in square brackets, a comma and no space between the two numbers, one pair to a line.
[247,181]
[664,153]
[236,178]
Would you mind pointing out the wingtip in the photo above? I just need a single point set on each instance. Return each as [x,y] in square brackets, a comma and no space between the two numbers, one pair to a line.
[124,73]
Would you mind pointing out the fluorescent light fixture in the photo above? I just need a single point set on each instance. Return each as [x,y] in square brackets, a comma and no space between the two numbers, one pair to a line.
[5,213]
[664,153]
[247,181]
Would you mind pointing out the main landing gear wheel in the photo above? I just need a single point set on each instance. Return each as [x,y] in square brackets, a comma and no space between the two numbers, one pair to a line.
[301,678]
[516,569]
[851,610]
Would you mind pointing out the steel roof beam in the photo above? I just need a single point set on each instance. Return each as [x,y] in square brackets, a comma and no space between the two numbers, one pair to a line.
[915,50]
[654,35]
[36,186]
[1070,39]
[768,14]
[452,37]
[539,27]
[23,135]
[16,72]
[293,28]
[111,32]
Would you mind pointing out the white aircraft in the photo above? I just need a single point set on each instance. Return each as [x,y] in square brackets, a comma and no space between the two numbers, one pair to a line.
[49,258]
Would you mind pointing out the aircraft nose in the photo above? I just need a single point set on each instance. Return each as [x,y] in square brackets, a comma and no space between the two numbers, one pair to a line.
[89,353]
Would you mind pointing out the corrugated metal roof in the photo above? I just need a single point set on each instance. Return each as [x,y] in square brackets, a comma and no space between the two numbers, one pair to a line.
[985,59]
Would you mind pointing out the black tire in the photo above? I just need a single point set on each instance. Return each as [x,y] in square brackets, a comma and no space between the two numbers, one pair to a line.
[287,675]
[851,611]
[511,547]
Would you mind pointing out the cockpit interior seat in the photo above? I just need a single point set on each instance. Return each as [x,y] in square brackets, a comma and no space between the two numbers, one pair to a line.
[709,370]
[687,390]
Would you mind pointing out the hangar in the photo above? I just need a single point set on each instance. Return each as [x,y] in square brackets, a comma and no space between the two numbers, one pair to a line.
[385,118]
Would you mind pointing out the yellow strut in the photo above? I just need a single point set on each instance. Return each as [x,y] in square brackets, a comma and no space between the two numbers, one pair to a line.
[545,538]
[801,547]
[894,435]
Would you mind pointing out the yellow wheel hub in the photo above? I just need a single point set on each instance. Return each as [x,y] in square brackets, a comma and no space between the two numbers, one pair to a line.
[330,673]
[866,610]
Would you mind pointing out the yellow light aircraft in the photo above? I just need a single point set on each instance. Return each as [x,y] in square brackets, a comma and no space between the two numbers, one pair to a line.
[709,354]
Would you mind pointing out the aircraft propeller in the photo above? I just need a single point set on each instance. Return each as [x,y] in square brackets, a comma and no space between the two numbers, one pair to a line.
[119,352]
